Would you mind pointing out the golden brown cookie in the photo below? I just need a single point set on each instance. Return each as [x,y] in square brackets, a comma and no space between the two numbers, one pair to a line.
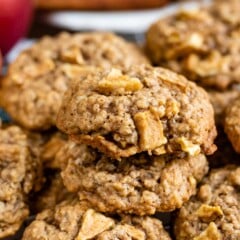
[33,88]
[138,185]
[199,44]
[227,12]
[214,212]
[75,221]
[142,109]
[19,169]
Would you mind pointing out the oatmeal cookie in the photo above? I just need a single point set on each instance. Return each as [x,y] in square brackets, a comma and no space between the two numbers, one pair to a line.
[139,185]
[142,109]
[232,124]
[33,88]
[227,11]
[198,45]
[214,212]
[75,221]
[18,172]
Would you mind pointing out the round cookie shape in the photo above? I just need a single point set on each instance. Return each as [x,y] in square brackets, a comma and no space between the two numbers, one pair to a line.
[198,45]
[214,212]
[142,109]
[232,124]
[73,220]
[140,185]
[33,88]
[18,173]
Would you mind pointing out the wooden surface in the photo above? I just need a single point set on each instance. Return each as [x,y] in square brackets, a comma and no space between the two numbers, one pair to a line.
[99,4]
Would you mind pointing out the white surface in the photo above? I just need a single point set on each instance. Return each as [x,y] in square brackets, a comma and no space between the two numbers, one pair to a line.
[131,22]
[117,21]
[19,47]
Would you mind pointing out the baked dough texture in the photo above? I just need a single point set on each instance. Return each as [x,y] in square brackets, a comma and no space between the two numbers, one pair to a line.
[142,109]
[214,212]
[36,81]
[73,220]
[140,185]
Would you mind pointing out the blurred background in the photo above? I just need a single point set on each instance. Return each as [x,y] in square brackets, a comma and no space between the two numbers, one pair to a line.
[23,21]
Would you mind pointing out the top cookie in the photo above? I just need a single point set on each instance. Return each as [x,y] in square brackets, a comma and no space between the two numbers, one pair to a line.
[33,88]
[203,45]
[142,109]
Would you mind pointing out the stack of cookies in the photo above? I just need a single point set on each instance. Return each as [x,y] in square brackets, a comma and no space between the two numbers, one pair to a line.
[146,132]
[138,135]
[31,93]
[136,147]
[101,141]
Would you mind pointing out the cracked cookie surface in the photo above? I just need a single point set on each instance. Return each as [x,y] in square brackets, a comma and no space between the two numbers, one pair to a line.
[142,109]
[138,185]
[73,220]
[214,212]
[35,82]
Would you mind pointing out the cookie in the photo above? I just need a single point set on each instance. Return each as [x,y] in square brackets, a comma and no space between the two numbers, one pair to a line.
[142,109]
[18,174]
[232,124]
[227,12]
[52,193]
[74,220]
[33,88]
[198,45]
[138,185]
[214,212]
[220,101]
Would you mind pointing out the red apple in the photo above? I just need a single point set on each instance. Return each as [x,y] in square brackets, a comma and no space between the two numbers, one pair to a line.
[15,18]
[1,63]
